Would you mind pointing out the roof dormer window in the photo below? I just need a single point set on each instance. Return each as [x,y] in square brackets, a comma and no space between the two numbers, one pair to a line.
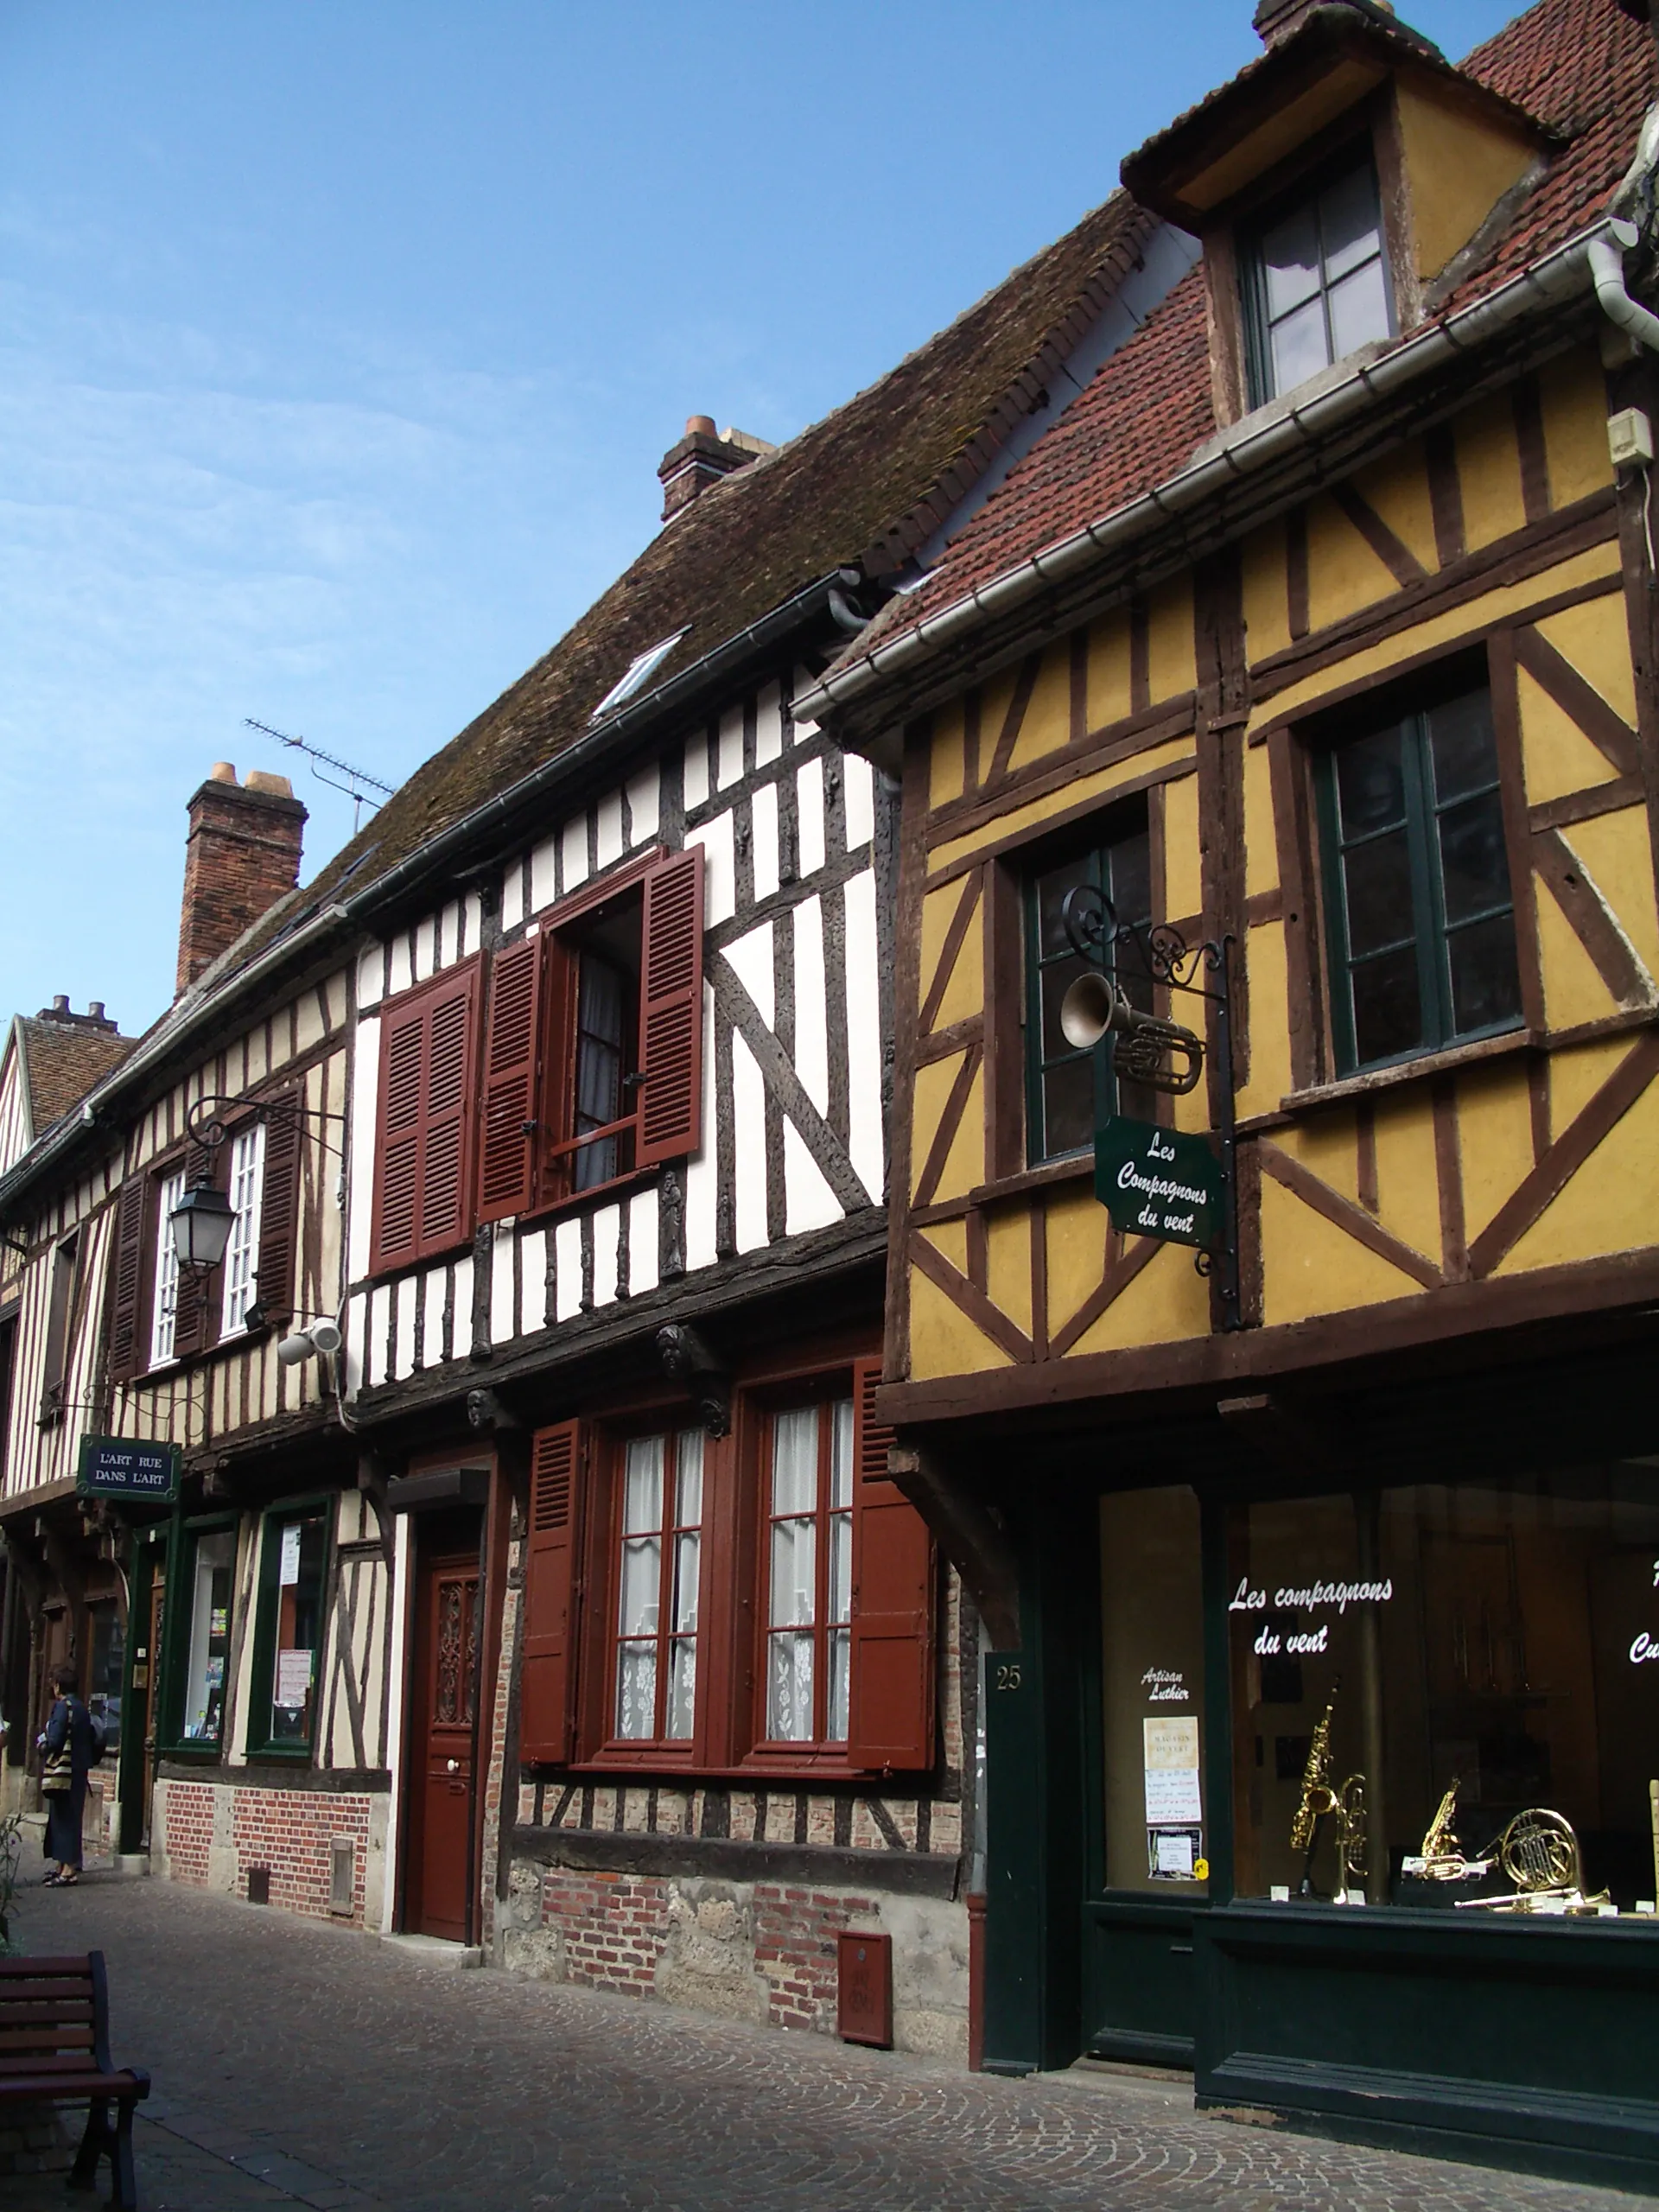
[1316,282]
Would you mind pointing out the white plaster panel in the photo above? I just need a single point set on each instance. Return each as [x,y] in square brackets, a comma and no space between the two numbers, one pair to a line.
[811,1022]
[533,1281]
[644,804]
[765,813]
[809,802]
[401,977]
[606,1222]
[366,1107]
[750,958]
[357,1315]
[864,1035]
[574,834]
[432,1335]
[567,1255]
[696,769]
[768,724]
[543,879]
[730,766]
[512,894]
[749,1113]
[860,800]
[504,1322]
[700,1178]
[404,1353]
[371,966]
[798,730]
[472,908]
[809,1202]
[719,874]
[374,1364]
[608,828]
[644,1256]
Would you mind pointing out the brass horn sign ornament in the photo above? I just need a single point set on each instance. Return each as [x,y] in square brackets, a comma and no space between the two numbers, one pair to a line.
[1094,1007]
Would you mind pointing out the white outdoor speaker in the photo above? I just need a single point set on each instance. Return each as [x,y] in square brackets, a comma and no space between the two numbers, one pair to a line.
[293,1348]
[325,1336]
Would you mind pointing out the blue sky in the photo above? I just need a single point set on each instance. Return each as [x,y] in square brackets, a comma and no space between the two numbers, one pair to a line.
[338,344]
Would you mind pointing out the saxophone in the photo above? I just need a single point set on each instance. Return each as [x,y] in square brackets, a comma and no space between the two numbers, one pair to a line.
[1321,1797]
[1441,1853]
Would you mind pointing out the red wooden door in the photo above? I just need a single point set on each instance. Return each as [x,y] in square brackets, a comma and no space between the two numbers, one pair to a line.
[446,1683]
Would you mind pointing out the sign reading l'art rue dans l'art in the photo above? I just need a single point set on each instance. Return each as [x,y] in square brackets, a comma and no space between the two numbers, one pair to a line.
[1156,1182]
[117,1466]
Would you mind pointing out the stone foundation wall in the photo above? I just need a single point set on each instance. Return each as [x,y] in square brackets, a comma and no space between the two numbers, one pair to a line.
[38,2139]
[750,1951]
[209,1834]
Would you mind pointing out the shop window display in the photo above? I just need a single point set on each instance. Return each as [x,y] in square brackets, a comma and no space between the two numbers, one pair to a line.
[202,1720]
[1152,1622]
[1448,1697]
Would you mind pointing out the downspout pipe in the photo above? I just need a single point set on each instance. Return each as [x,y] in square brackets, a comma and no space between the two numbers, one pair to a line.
[1606,253]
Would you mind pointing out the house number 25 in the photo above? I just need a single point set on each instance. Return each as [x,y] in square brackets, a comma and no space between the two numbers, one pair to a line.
[1008,1675]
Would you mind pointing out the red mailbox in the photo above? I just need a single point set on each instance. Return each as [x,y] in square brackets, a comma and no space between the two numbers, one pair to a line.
[864,1989]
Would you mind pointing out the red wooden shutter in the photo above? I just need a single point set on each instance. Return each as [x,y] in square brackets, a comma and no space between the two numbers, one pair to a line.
[548,1678]
[196,1300]
[891,1720]
[507,1150]
[279,1210]
[422,1187]
[128,1350]
[670,1010]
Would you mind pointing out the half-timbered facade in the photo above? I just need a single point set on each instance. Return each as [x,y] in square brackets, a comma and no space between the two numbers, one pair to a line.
[1319,633]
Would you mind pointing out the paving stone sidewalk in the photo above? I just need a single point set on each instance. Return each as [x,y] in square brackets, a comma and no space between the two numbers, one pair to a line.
[296,2064]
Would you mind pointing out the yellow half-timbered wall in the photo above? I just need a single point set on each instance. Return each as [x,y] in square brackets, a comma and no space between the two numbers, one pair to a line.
[1537,1149]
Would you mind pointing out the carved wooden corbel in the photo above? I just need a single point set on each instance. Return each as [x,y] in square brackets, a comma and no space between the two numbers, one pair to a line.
[969,1538]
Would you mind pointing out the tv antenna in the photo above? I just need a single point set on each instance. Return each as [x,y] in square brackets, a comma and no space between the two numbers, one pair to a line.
[357,789]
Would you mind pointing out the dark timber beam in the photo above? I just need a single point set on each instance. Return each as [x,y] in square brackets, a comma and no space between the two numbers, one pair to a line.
[969,1538]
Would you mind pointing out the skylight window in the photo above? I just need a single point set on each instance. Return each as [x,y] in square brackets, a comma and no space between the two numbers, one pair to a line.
[639,673]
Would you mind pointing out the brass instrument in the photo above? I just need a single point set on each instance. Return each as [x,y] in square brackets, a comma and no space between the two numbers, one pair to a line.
[1441,1854]
[1096,1006]
[1539,1852]
[1319,1799]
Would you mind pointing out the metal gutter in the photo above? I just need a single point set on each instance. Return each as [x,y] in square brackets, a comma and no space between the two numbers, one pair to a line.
[576,759]
[1555,277]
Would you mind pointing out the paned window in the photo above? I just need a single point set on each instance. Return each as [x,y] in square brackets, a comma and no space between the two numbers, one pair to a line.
[104,1676]
[247,1172]
[207,1593]
[810,1579]
[1060,1079]
[165,1299]
[1317,283]
[1420,908]
[593,1049]
[289,1645]
[660,1545]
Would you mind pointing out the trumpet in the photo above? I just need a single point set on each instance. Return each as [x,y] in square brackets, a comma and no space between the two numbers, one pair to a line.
[1096,1006]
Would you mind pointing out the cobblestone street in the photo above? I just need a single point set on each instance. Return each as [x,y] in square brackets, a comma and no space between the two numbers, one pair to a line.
[298,2063]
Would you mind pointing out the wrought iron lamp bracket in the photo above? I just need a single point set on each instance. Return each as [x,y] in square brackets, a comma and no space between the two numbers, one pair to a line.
[1157,953]
[208,1120]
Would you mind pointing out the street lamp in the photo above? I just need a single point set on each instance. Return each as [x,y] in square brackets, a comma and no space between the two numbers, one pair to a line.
[200,1224]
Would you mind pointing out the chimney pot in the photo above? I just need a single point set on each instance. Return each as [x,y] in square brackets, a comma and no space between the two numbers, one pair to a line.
[702,456]
[699,426]
[95,1008]
[242,854]
[61,1003]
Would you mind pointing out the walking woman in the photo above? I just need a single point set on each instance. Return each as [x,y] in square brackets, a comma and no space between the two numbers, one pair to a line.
[66,1742]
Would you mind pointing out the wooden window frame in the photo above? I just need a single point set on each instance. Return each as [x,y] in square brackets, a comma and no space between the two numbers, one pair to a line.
[62,1300]
[819,1750]
[609,1464]
[174,1655]
[261,1675]
[1316,176]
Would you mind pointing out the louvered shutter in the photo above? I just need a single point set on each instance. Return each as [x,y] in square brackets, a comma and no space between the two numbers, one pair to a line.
[890,1718]
[127,1344]
[548,1677]
[279,1210]
[423,1182]
[196,1300]
[670,1010]
[507,1148]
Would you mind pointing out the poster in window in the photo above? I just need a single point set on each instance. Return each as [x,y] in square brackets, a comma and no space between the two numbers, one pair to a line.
[1172,1770]
[293,1680]
[288,1572]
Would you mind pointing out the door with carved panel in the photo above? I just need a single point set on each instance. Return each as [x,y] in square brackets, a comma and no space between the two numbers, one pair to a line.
[442,1744]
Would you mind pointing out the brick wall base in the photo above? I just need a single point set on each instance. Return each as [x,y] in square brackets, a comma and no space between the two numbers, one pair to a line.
[38,2139]
[209,1834]
[759,1951]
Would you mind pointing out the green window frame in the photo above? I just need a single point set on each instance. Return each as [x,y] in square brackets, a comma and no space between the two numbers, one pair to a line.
[289,1621]
[1315,278]
[1420,902]
[197,1631]
[1062,1081]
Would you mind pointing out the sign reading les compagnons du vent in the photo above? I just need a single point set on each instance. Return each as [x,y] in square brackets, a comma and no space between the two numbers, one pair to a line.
[1156,1182]
[117,1466]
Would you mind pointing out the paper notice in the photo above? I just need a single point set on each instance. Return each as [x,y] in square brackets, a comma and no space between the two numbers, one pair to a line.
[1173,1852]
[291,1566]
[1172,1770]
[293,1680]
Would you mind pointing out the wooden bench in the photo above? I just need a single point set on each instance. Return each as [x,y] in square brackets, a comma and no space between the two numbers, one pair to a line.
[54,2049]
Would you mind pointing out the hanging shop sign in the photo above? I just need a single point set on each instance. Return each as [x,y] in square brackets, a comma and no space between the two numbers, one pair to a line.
[116,1466]
[1156,1182]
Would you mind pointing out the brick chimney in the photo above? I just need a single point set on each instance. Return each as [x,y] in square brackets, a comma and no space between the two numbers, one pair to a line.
[242,854]
[94,1018]
[1276,19]
[700,459]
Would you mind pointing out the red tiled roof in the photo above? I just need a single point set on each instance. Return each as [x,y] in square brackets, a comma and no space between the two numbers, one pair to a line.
[1582,66]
